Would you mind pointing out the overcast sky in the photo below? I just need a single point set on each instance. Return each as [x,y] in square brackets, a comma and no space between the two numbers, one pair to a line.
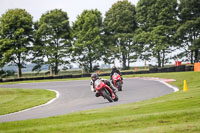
[73,7]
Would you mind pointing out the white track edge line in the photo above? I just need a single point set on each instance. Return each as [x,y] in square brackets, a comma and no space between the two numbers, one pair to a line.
[57,96]
[168,85]
[52,100]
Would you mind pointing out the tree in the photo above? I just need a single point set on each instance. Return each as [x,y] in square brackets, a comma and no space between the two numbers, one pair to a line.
[87,38]
[16,37]
[119,26]
[52,40]
[158,20]
[189,30]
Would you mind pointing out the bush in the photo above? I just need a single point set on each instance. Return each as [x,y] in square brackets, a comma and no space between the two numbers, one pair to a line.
[96,67]
[4,74]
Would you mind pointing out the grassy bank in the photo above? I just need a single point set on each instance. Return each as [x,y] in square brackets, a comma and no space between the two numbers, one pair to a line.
[172,113]
[12,100]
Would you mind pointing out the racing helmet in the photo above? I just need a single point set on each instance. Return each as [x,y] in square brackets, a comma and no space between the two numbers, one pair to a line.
[114,68]
[94,76]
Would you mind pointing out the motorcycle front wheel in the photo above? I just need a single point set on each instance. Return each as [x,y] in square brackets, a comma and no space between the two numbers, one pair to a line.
[106,95]
[116,98]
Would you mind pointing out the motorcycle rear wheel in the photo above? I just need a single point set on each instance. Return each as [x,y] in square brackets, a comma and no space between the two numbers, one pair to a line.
[119,86]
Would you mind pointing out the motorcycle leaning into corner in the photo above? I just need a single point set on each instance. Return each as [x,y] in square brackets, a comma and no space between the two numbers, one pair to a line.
[117,81]
[105,91]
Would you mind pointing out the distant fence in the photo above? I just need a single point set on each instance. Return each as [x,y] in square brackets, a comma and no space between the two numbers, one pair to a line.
[181,68]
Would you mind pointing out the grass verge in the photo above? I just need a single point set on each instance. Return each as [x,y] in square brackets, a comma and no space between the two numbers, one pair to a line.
[173,113]
[13,100]
[46,80]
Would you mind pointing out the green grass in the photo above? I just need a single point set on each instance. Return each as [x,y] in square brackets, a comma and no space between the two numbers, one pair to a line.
[12,100]
[47,80]
[173,113]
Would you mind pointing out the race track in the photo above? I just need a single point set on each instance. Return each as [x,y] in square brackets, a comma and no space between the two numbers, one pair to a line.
[76,96]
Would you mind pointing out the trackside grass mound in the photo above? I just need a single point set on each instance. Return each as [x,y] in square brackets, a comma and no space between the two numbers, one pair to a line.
[13,100]
[173,113]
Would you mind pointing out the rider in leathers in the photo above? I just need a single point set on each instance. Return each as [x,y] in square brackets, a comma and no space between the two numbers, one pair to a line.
[114,70]
[94,77]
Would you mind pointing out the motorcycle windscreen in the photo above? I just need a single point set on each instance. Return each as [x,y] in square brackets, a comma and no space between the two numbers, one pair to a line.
[116,76]
[98,84]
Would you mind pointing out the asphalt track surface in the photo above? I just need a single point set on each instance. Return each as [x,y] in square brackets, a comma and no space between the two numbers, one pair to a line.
[76,96]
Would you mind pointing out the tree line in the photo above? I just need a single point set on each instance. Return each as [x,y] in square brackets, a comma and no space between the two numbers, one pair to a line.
[152,29]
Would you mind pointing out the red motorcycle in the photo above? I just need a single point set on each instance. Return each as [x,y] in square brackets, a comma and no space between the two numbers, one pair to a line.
[117,81]
[105,91]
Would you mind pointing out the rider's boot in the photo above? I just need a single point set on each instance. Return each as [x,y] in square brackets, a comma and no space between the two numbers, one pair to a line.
[122,80]
[113,88]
